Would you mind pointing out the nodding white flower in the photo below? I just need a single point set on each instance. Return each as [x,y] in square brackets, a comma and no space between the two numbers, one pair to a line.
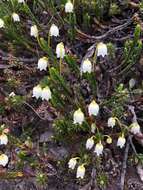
[3,160]
[101,49]
[111,122]
[135,128]
[60,50]
[3,139]
[121,141]
[21,1]
[43,63]
[93,108]
[34,31]
[15,17]
[86,66]
[132,83]
[89,143]
[37,91]
[69,7]
[46,93]
[54,30]
[80,172]
[72,163]
[78,116]
[12,94]
[1,23]
[98,149]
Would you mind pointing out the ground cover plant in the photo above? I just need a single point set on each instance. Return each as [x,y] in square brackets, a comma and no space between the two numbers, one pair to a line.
[71,94]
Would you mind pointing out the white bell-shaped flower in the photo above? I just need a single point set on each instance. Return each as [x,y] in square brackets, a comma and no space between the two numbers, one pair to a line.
[89,143]
[37,91]
[121,141]
[3,139]
[3,160]
[93,108]
[80,172]
[46,93]
[1,23]
[78,117]
[54,30]
[34,31]
[86,66]
[98,149]
[69,7]
[43,63]
[72,163]
[60,50]
[135,128]
[111,122]
[101,49]
[15,17]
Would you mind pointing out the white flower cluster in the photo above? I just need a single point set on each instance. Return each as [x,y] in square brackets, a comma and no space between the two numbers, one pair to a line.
[44,93]
[80,169]
[78,116]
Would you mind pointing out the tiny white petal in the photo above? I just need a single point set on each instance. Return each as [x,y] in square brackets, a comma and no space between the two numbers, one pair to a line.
[78,117]
[12,94]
